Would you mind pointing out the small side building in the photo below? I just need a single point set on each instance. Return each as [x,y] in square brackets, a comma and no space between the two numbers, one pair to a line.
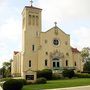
[16,64]
[77,60]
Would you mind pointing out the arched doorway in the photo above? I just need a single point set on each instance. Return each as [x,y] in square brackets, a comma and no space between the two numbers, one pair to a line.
[55,63]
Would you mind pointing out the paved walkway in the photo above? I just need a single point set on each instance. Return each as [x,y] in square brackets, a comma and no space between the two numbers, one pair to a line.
[73,88]
[0,88]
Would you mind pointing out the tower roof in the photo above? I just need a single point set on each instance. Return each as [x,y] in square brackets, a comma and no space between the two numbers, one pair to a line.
[33,7]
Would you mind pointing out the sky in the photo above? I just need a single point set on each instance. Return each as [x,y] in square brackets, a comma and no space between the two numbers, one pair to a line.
[72,16]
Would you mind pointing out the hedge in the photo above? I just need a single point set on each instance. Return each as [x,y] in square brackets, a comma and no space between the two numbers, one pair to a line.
[82,75]
[41,80]
[46,73]
[68,73]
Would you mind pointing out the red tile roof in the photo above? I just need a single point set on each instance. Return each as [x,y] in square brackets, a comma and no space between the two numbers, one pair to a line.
[15,52]
[75,50]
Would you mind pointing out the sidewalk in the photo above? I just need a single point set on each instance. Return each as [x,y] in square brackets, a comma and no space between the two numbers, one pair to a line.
[73,88]
[1,88]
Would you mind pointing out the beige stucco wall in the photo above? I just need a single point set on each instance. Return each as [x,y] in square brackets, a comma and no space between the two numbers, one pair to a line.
[51,48]
[78,59]
[16,65]
[30,38]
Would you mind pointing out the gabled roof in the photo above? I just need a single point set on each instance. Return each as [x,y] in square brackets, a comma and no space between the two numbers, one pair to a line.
[55,27]
[75,50]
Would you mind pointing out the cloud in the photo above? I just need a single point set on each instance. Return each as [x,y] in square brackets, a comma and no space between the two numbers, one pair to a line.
[81,38]
[3,4]
[10,38]
[68,9]
[63,11]
[10,29]
[2,1]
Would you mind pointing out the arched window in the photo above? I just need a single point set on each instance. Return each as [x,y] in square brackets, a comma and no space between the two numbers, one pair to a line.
[75,64]
[66,62]
[29,63]
[37,20]
[29,19]
[67,54]
[46,62]
[33,47]
[46,53]
[37,34]
[45,41]
[33,20]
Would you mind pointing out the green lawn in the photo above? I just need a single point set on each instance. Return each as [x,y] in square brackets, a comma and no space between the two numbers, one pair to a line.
[59,84]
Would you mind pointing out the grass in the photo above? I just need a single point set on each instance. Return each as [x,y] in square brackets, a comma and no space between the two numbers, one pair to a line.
[59,84]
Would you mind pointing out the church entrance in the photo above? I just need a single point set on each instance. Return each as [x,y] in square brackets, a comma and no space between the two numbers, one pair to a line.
[56,60]
[56,63]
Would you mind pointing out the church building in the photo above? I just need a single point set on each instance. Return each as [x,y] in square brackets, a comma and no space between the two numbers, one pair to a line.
[43,50]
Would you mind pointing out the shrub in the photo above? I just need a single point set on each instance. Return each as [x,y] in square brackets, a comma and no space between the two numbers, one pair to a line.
[82,75]
[41,80]
[22,81]
[68,73]
[56,76]
[39,74]
[46,73]
[13,84]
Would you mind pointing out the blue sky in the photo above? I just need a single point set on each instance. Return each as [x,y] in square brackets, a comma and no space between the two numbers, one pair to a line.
[72,16]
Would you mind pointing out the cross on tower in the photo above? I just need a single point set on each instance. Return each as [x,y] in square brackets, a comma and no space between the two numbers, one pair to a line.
[31,2]
[55,24]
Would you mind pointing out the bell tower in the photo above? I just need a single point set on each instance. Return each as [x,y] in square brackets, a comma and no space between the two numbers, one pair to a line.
[31,26]
[31,29]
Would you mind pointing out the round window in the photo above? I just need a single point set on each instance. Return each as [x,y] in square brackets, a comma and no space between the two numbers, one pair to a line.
[56,42]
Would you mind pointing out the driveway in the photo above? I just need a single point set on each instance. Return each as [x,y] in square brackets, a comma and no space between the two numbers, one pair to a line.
[73,88]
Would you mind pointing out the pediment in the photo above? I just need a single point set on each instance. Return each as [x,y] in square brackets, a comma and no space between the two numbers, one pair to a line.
[56,31]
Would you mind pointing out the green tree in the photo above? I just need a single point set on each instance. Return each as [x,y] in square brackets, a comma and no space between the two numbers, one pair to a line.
[85,53]
[86,67]
[6,69]
[6,65]
[2,71]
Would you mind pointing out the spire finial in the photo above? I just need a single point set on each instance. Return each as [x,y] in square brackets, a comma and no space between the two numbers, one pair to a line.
[55,24]
[31,2]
